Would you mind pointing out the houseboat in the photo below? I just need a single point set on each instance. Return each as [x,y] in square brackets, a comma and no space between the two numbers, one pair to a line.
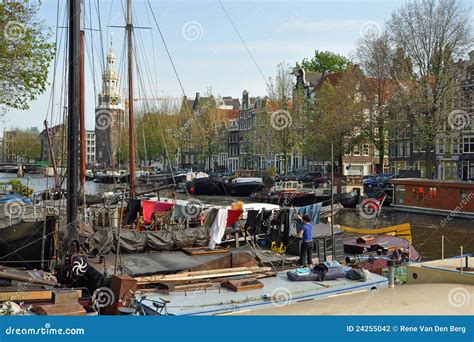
[446,198]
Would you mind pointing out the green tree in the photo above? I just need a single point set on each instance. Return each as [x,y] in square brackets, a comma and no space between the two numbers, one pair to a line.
[324,62]
[25,54]
[334,118]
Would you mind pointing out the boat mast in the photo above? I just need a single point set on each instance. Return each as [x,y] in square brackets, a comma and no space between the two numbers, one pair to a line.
[131,114]
[74,93]
[82,127]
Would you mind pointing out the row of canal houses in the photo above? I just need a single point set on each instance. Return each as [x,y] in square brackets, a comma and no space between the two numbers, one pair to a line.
[451,159]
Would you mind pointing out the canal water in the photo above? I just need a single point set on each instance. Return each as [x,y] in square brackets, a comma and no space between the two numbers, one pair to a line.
[427,230]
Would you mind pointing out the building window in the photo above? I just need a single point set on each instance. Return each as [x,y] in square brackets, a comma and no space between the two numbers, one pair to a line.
[441,146]
[356,151]
[365,150]
[407,149]
[468,145]
[455,145]
[400,149]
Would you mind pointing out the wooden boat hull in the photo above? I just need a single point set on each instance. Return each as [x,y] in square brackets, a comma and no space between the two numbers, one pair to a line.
[21,243]
[219,187]
[401,230]
[347,200]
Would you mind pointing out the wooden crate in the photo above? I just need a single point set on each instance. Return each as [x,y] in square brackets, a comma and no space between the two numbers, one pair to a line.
[242,285]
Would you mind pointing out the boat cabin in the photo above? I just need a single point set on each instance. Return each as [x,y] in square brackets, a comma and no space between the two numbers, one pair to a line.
[288,186]
[434,197]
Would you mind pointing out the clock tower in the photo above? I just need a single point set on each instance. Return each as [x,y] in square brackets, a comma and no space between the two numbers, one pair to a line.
[110,120]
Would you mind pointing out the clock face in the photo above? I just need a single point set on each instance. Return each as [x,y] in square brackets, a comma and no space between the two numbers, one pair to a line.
[114,101]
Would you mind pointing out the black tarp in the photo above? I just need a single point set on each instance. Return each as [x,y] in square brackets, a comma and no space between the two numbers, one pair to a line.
[105,240]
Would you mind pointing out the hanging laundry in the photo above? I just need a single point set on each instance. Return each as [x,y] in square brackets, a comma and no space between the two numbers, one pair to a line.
[148,210]
[316,210]
[233,216]
[251,221]
[285,221]
[133,207]
[161,207]
[218,228]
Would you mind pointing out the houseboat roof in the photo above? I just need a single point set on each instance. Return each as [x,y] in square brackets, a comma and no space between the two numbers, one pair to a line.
[433,182]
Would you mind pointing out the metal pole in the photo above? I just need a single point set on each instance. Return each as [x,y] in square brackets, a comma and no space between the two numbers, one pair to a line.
[332,203]
[461,260]
[74,93]
[131,114]
[442,247]
[119,233]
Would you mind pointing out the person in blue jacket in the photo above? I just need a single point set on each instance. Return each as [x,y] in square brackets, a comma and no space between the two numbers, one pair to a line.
[306,233]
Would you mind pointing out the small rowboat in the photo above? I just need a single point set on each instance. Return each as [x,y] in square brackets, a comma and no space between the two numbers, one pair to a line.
[402,230]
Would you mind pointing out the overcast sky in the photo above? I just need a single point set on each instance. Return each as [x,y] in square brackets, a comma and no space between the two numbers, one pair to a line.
[204,45]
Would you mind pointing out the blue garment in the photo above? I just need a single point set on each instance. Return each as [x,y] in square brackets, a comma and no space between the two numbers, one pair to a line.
[307,229]
[316,210]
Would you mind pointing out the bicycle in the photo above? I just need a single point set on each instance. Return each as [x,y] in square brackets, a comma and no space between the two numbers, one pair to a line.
[160,306]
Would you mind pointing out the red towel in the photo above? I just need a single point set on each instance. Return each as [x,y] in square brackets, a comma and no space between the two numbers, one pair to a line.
[233,216]
[150,207]
[163,206]
[147,207]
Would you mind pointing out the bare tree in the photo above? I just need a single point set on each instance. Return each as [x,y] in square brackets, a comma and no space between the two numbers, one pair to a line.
[376,56]
[282,121]
[432,34]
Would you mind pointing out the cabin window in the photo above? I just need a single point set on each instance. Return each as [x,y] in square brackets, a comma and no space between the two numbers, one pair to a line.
[418,193]
[466,194]
[400,194]
[433,192]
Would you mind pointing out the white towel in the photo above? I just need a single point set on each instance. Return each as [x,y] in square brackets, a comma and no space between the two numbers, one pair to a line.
[218,228]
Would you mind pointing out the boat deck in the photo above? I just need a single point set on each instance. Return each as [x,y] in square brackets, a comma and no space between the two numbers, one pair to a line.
[277,292]
[423,299]
[441,271]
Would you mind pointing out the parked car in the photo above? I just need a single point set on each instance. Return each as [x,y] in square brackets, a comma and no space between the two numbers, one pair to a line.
[378,181]
[290,176]
[313,177]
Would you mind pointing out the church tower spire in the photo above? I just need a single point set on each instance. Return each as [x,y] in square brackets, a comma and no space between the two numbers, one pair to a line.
[109,114]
